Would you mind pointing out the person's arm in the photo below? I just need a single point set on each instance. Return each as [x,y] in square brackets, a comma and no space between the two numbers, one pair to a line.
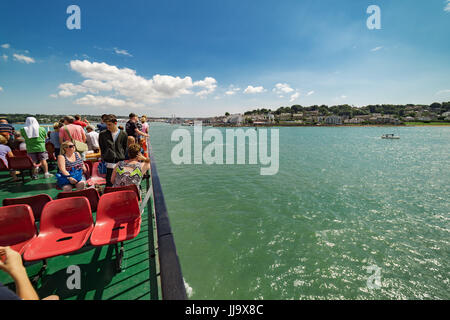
[11,263]
[62,165]
[113,175]
[141,133]
[10,154]
[84,166]
[61,134]
[83,135]
[145,166]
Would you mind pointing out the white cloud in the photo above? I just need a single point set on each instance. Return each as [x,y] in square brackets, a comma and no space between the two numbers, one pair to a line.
[294,96]
[232,90]
[22,58]
[376,49]
[443,92]
[447,7]
[343,97]
[251,89]
[97,101]
[53,96]
[127,88]
[5,57]
[122,52]
[210,84]
[281,88]
[310,93]
[6,46]
[1,89]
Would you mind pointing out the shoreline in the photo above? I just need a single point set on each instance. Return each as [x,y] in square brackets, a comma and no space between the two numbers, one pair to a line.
[335,126]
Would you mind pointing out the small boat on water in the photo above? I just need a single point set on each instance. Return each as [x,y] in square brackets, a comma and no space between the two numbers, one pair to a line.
[389,136]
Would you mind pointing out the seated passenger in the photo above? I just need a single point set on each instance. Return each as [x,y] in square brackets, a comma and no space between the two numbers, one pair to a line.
[130,171]
[5,150]
[71,168]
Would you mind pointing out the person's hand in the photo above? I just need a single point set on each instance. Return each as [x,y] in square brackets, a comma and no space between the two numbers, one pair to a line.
[72,180]
[11,262]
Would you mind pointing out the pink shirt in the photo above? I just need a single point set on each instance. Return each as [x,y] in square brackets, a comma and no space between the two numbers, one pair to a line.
[145,127]
[76,132]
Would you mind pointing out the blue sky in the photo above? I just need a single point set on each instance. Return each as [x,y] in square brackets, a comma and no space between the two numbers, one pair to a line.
[207,57]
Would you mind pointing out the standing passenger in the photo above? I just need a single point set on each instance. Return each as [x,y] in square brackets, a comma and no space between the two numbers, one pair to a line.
[113,146]
[34,136]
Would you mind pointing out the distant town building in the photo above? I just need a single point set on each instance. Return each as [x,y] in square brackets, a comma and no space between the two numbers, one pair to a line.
[335,120]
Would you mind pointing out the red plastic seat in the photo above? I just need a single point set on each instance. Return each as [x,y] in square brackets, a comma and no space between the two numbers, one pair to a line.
[131,187]
[91,194]
[96,177]
[36,203]
[20,153]
[17,228]
[65,227]
[118,218]
[88,166]
[20,163]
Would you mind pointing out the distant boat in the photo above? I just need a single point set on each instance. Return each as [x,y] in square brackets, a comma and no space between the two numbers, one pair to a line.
[389,136]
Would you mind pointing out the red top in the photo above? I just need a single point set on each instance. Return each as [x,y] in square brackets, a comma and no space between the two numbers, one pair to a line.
[80,123]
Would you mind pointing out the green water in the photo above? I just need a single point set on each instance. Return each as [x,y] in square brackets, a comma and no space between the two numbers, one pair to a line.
[343,200]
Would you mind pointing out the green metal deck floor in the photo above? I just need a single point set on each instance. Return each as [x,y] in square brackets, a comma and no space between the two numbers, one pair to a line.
[99,280]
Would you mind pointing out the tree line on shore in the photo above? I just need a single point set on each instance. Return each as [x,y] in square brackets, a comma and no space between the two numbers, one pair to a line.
[351,111]
[43,118]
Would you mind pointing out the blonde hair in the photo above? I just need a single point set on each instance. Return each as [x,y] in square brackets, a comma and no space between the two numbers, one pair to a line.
[64,146]
[3,140]
[56,125]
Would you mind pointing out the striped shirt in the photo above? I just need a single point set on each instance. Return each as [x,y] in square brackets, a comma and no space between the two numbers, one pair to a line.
[77,164]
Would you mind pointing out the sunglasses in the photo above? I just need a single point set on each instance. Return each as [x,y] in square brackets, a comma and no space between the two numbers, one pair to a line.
[70,147]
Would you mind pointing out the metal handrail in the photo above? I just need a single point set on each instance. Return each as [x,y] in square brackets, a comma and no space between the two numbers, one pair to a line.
[172,283]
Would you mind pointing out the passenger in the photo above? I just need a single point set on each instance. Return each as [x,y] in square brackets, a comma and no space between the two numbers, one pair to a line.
[34,136]
[19,142]
[72,167]
[134,128]
[92,139]
[113,146]
[78,121]
[54,137]
[7,130]
[102,126]
[145,125]
[71,130]
[130,171]
[130,141]
[5,150]
[11,263]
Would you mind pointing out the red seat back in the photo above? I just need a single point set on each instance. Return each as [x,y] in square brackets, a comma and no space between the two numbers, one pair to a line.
[16,224]
[20,163]
[36,203]
[131,187]
[69,215]
[91,194]
[118,206]
[19,153]
[88,166]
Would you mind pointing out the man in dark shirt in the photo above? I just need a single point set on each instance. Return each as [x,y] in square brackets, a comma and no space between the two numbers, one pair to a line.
[134,128]
[113,146]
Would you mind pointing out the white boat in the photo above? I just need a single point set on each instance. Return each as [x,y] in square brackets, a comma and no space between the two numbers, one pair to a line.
[389,136]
